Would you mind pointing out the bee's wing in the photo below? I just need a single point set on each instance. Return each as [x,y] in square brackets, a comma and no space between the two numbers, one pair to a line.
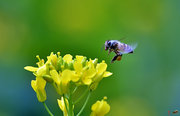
[130,48]
[133,46]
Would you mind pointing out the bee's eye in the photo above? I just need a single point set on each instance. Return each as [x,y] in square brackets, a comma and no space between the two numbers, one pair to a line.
[109,43]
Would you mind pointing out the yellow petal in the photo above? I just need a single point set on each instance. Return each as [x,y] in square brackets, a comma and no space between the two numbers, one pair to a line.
[77,67]
[105,108]
[79,58]
[95,106]
[55,76]
[100,108]
[67,58]
[91,73]
[101,67]
[52,58]
[41,95]
[88,75]
[66,78]
[33,85]
[62,105]
[41,71]
[87,81]
[30,68]
[107,74]
[75,77]
[66,75]
[40,83]
[39,87]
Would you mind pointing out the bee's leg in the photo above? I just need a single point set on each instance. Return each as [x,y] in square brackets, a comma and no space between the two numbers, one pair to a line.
[117,57]
[109,51]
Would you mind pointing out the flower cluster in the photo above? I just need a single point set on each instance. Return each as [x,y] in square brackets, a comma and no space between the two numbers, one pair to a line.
[65,72]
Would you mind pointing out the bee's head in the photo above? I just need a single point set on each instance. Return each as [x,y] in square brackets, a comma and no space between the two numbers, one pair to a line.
[107,44]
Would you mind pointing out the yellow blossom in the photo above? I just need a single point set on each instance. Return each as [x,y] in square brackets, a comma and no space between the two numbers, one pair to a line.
[78,67]
[89,73]
[101,73]
[41,61]
[52,59]
[100,108]
[60,71]
[41,70]
[66,78]
[55,76]
[67,58]
[38,86]
[62,105]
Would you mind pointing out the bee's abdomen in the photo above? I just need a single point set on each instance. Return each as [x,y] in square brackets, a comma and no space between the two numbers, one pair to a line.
[125,48]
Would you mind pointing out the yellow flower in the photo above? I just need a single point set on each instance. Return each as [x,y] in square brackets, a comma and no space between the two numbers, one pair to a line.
[62,105]
[66,76]
[78,67]
[67,58]
[41,70]
[89,73]
[101,71]
[100,108]
[38,86]
[85,70]
[100,74]
[62,80]
[52,59]
[55,76]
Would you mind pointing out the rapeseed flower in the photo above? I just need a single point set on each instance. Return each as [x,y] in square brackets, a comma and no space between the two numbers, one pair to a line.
[38,86]
[66,74]
[100,108]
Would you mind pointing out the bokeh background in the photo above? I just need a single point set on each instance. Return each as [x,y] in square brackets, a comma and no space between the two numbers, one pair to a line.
[145,83]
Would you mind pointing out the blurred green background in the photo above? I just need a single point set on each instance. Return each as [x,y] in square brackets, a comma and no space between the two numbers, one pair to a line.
[145,83]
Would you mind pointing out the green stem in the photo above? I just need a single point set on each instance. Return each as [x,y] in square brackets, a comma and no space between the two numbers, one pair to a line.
[84,104]
[71,106]
[70,100]
[74,90]
[47,109]
[81,96]
[66,105]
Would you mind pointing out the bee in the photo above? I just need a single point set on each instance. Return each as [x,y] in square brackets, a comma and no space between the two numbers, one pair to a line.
[118,48]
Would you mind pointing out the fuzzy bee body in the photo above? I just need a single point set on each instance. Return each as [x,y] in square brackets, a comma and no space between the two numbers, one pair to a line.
[119,48]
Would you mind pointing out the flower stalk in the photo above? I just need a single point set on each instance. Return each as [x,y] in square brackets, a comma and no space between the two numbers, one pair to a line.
[84,104]
[49,112]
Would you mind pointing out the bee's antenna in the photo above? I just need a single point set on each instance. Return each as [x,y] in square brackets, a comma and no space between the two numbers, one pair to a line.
[102,47]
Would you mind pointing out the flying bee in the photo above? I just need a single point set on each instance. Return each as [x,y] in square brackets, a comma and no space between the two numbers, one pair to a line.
[118,48]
